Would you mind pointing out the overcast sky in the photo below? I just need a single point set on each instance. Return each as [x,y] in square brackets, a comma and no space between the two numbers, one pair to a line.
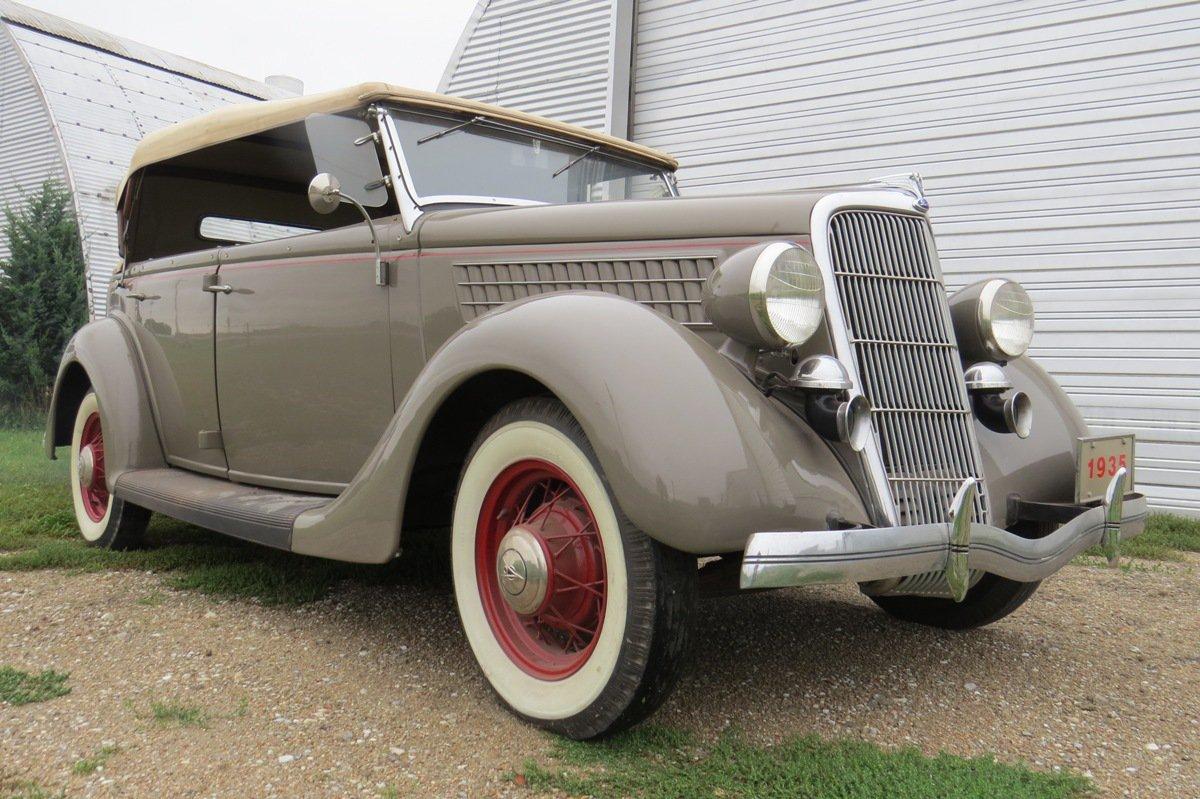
[325,44]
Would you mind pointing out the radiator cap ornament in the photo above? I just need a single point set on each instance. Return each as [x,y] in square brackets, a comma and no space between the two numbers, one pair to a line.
[910,182]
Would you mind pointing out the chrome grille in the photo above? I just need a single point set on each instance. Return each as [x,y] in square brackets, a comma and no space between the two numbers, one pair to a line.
[671,286]
[898,323]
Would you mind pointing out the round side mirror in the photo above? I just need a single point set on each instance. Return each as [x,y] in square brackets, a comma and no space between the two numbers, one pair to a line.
[324,193]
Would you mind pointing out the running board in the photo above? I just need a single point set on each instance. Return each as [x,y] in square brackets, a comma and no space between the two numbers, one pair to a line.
[260,515]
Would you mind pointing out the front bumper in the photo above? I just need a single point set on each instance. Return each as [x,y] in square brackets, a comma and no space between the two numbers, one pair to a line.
[956,547]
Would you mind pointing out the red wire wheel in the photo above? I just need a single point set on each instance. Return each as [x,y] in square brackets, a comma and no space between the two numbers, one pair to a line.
[90,468]
[539,561]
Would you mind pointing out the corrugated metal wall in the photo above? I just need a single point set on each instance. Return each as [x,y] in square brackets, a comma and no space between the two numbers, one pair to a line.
[549,57]
[29,154]
[102,105]
[1059,145]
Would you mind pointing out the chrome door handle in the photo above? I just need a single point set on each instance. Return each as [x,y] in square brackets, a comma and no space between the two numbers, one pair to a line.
[219,289]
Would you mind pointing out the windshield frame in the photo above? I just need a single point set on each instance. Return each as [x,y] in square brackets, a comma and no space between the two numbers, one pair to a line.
[420,203]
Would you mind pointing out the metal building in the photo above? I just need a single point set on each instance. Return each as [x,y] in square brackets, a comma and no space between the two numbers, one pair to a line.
[74,102]
[1056,137]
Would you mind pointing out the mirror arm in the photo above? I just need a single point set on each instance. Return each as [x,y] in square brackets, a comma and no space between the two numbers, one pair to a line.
[381,275]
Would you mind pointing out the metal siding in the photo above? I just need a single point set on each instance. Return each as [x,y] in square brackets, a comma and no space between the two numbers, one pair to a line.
[1057,140]
[102,104]
[550,57]
[29,153]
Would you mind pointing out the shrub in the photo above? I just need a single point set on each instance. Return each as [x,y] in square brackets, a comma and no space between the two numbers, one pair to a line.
[42,297]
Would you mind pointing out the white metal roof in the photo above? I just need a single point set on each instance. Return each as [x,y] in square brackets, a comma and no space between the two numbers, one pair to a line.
[75,104]
[82,34]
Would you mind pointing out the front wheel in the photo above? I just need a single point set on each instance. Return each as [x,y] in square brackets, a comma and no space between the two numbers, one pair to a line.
[580,622]
[104,520]
[989,600]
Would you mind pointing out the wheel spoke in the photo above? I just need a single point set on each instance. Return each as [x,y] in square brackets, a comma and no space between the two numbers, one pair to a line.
[576,585]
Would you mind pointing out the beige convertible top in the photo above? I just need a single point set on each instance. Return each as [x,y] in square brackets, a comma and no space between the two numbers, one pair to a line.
[246,119]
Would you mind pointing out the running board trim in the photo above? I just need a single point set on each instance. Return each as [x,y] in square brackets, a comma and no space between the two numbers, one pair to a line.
[260,515]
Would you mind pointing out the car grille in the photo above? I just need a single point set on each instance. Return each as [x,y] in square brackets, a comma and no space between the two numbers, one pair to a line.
[671,286]
[897,318]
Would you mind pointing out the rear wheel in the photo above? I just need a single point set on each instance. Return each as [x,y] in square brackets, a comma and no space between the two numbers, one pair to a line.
[579,621]
[104,520]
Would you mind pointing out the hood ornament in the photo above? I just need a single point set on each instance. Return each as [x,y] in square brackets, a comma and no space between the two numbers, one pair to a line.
[910,182]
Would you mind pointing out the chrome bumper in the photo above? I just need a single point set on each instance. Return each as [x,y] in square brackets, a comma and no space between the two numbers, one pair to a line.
[955,547]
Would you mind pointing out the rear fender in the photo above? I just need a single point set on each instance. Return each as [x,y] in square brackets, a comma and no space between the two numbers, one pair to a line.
[695,455]
[101,356]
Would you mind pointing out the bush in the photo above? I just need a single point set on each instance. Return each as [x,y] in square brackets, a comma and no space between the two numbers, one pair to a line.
[42,298]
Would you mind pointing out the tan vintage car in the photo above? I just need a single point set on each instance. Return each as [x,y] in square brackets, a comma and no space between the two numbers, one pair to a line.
[355,320]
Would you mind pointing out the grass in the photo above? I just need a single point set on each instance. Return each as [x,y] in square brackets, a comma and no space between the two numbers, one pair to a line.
[657,763]
[38,531]
[177,714]
[1166,536]
[22,688]
[23,789]
[90,765]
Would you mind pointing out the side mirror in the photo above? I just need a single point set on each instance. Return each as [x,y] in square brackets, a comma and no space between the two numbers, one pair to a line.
[325,196]
[325,193]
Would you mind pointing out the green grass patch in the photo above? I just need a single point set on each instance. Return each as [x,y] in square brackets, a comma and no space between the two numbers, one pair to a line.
[90,765]
[22,688]
[1165,537]
[177,714]
[656,763]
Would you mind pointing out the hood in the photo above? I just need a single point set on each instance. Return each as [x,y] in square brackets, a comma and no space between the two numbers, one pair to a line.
[735,215]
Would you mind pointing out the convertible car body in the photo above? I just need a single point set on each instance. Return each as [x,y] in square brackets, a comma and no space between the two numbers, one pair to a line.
[349,321]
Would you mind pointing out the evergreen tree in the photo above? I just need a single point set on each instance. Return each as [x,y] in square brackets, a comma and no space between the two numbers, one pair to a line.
[42,295]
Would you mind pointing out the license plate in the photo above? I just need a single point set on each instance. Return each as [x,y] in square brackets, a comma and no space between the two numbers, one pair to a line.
[1099,458]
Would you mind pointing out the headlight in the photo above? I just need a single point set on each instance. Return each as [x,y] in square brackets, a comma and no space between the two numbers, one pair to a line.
[768,296]
[1005,318]
[993,320]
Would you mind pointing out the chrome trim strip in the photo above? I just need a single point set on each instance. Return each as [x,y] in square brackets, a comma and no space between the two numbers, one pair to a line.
[777,560]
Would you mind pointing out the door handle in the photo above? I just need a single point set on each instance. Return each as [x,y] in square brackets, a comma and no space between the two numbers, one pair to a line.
[219,289]
[133,295]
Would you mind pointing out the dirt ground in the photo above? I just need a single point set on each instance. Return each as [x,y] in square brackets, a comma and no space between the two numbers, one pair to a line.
[1099,672]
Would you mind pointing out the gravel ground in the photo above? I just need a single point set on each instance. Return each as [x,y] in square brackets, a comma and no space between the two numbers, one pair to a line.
[1100,672]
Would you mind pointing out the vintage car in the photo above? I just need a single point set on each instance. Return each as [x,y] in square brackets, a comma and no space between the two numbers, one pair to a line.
[357,320]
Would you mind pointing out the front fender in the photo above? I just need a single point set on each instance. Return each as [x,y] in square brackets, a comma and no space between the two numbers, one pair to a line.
[102,355]
[696,456]
[1040,468]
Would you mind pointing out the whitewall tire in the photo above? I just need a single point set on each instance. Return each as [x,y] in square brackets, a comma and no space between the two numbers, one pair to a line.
[103,519]
[579,621]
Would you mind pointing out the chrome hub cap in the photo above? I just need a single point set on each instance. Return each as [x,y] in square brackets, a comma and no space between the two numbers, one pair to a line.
[522,569]
[85,466]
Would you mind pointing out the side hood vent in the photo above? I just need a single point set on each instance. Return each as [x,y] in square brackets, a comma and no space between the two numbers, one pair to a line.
[671,286]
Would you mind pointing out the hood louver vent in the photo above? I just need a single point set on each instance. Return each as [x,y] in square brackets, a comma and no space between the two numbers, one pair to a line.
[671,286]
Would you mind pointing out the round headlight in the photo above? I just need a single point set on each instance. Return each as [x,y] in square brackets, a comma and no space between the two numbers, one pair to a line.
[1005,318]
[786,294]
[766,296]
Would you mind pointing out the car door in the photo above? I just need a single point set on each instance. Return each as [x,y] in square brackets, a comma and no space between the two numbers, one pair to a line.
[172,319]
[303,362]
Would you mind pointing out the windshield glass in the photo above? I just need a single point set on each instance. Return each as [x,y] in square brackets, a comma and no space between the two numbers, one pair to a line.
[454,159]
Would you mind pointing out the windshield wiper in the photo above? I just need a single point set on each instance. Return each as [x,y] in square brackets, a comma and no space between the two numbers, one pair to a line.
[575,161]
[448,131]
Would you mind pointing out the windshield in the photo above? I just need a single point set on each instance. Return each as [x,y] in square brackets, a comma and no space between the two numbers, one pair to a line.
[463,160]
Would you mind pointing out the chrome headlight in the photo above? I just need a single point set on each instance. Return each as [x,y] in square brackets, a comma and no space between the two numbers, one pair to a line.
[1005,318]
[993,320]
[768,296]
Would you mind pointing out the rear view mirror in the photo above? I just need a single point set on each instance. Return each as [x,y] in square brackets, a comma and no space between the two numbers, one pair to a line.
[343,148]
